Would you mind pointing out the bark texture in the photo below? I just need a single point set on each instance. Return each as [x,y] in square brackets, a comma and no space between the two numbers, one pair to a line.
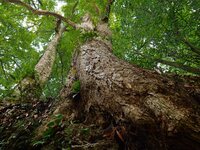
[44,67]
[158,112]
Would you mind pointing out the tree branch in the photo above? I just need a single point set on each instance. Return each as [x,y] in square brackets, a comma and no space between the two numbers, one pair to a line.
[174,64]
[181,66]
[192,47]
[183,39]
[43,12]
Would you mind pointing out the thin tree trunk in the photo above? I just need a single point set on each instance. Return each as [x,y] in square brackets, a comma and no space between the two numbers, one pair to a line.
[44,67]
[30,87]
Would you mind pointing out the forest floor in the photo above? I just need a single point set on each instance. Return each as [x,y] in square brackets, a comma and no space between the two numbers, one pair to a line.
[21,124]
[19,121]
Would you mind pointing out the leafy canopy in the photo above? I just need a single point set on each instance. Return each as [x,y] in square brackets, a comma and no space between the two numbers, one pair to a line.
[24,37]
[144,33]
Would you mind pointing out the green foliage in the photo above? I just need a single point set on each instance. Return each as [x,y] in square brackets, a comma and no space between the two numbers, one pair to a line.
[76,86]
[145,31]
[69,134]
[77,8]
[52,126]
[88,35]
[22,37]
[16,47]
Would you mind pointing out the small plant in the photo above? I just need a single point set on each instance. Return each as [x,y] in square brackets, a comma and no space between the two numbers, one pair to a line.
[76,86]
[85,131]
[52,127]
[56,121]
[88,35]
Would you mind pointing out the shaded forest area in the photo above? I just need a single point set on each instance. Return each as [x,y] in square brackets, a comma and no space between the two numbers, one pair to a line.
[99,74]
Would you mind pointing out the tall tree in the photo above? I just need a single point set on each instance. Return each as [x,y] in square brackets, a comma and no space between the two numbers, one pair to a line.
[146,110]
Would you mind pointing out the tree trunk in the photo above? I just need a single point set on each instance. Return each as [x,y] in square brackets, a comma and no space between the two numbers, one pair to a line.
[44,67]
[142,109]
[154,111]
[31,87]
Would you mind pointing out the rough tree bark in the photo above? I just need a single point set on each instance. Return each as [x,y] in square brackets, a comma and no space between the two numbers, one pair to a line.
[158,112]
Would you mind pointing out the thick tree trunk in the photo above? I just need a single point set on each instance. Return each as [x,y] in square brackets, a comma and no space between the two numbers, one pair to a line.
[144,110]
[157,112]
